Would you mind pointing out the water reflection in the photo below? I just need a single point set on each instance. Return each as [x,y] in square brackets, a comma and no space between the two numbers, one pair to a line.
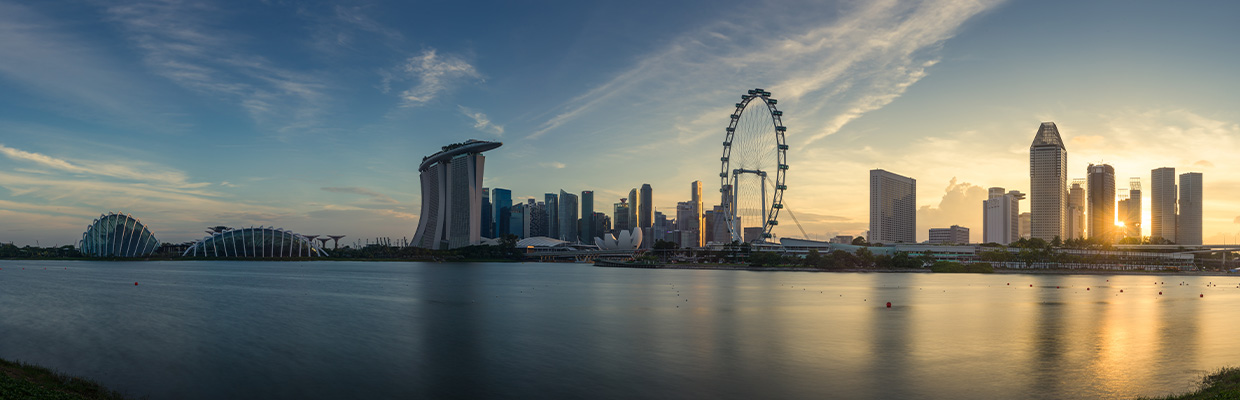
[402,330]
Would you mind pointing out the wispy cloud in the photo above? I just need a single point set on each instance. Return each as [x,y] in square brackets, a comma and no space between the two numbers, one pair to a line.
[182,42]
[828,72]
[481,122]
[119,169]
[375,196]
[553,164]
[434,74]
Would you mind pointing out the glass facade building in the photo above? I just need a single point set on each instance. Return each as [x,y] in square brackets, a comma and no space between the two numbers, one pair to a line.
[117,235]
[260,242]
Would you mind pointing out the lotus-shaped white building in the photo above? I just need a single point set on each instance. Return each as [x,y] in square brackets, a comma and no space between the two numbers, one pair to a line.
[626,240]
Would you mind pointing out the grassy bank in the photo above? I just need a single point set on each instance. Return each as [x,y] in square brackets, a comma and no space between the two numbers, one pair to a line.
[1224,384]
[25,381]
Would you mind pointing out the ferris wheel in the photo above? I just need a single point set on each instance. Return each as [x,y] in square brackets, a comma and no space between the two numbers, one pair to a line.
[751,178]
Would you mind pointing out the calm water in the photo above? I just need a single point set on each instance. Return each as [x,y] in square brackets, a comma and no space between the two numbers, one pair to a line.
[409,330]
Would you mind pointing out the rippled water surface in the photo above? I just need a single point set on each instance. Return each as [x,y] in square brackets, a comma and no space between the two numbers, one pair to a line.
[207,330]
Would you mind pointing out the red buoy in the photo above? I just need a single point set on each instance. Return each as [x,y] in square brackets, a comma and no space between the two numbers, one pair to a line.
[889,304]
[1056,287]
[1009,283]
[1121,290]
[1202,295]
[135,283]
[1086,288]
[1030,285]
[1160,293]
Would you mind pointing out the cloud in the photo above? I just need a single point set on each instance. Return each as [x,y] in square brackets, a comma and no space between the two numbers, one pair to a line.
[434,74]
[375,196]
[961,204]
[1204,163]
[481,122]
[120,169]
[1237,220]
[553,164]
[182,42]
[827,72]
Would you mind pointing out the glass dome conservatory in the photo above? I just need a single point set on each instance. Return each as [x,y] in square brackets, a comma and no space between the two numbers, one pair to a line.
[260,242]
[117,235]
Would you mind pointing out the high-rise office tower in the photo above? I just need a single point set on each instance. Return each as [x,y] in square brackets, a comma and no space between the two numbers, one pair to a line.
[1001,216]
[538,219]
[1101,202]
[587,216]
[568,217]
[1162,204]
[620,215]
[488,213]
[1122,203]
[602,223]
[893,208]
[1131,215]
[451,180]
[646,209]
[1025,224]
[1048,183]
[517,216]
[635,204]
[502,200]
[1076,210]
[553,212]
[1188,225]
[699,212]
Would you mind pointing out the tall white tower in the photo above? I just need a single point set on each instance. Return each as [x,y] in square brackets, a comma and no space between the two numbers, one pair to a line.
[1048,183]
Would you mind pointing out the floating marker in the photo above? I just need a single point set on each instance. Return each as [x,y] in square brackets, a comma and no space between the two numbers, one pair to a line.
[1086,288]
[1160,293]
[1121,290]
[1201,295]
[135,283]
[889,304]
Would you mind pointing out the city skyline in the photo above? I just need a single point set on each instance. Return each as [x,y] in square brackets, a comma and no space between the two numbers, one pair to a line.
[193,117]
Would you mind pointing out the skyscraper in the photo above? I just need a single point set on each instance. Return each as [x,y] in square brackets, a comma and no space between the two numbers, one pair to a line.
[1076,210]
[699,221]
[538,219]
[646,209]
[893,208]
[620,218]
[635,204]
[568,217]
[1162,204]
[1101,202]
[488,213]
[1001,216]
[553,212]
[586,232]
[1132,213]
[1048,183]
[502,199]
[1188,225]
[451,214]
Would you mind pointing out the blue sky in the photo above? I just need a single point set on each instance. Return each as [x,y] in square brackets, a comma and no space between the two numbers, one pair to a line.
[313,116]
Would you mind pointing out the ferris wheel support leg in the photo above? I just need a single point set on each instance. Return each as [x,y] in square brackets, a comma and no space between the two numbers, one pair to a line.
[763,203]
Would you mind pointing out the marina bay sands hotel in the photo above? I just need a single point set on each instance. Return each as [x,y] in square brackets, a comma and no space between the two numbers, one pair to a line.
[451,214]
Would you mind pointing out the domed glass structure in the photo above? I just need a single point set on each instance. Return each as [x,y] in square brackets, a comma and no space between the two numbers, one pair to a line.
[117,235]
[260,242]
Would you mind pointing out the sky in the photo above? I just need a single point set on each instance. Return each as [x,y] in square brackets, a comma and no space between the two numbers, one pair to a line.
[313,116]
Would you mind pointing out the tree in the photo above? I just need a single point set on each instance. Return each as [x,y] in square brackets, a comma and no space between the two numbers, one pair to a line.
[859,241]
[1057,242]
[765,259]
[865,257]
[813,259]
